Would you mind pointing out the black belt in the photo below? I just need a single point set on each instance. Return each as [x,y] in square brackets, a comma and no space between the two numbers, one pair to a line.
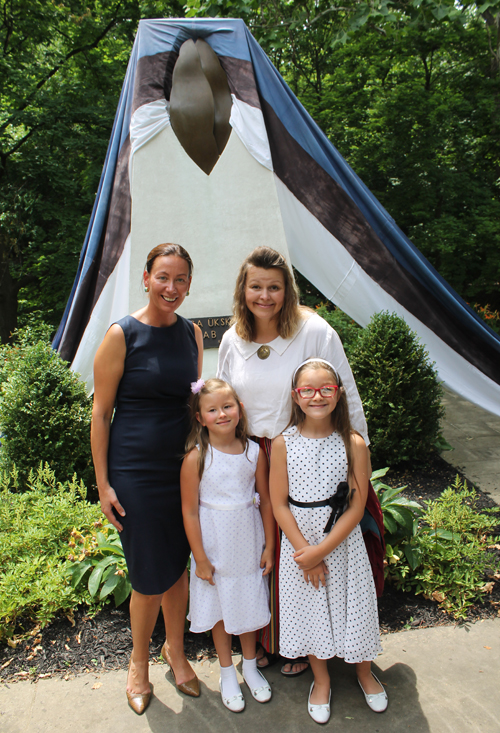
[338,502]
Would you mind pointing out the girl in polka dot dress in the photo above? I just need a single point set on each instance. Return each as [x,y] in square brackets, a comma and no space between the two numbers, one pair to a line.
[320,470]
[230,528]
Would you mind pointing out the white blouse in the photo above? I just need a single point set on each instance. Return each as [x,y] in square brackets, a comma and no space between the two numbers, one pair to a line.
[264,385]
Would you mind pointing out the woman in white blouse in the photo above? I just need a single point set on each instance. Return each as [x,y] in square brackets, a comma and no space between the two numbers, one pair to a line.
[272,334]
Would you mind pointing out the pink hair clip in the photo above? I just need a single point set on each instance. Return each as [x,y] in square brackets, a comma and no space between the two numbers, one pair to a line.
[197,386]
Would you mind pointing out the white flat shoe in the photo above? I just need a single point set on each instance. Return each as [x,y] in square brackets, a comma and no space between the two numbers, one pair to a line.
[377,702]
[319,713]
[262,693]
[236,703]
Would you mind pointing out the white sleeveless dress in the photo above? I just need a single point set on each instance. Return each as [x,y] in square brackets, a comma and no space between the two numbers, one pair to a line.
[233,539]
[340,619]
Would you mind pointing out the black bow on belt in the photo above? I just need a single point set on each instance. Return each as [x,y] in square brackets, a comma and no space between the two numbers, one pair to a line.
[338,502]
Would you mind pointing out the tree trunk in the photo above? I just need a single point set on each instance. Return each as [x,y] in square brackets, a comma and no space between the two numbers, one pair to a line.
[9,289]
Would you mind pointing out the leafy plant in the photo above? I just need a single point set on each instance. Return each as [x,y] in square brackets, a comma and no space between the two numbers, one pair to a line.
[35,527]
[400,521]
[44,412]
[400,391]
[451,549]
[100,563]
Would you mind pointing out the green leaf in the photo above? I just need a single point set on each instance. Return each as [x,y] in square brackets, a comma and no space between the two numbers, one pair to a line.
[390,524]
[109,586]
[402,516]
[115,549]
[122,591]
[95,580]
[413,556]
[379,473]
[388,495]
[79,571]
[106,561]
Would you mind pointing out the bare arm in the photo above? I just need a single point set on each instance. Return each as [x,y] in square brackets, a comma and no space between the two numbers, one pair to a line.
[199,342]
[351,517]
[266,512]
[108,370]
[190,483]
[279,497]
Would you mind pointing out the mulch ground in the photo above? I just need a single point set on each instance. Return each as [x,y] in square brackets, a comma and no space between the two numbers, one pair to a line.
[67,647]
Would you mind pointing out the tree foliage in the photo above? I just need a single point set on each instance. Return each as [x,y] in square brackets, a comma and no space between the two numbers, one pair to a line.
[62,65]
[409,93]
[407,90]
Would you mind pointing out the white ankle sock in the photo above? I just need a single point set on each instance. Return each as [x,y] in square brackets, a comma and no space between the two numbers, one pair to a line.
[251,673]
[229,685]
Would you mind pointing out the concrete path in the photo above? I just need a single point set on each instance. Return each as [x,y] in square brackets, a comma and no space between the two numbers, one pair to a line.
[438,680]
[474,435]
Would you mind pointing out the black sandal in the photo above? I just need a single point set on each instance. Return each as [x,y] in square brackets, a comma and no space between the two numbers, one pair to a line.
[268,656]
[299,660]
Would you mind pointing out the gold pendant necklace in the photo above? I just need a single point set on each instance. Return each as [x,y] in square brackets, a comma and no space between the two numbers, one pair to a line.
[263,352]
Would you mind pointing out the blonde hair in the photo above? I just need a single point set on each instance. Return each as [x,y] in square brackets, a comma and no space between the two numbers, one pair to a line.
[291,312]
[198,435]
[340,415]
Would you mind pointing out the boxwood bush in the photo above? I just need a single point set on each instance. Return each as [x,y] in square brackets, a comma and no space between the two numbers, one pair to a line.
[400,391]
[44,411]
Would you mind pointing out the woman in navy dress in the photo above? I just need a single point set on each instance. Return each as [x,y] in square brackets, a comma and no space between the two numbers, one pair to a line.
[143,372]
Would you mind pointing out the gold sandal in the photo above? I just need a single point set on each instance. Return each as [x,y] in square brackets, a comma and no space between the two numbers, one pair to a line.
[191,687]
[138,701]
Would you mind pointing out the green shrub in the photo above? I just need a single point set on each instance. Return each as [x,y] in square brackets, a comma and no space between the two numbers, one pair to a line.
[449,552]
[35,527]
[98,562]
[400,391]
[44,411]
[347,329]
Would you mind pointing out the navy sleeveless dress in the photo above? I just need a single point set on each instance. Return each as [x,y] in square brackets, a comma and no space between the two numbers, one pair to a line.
[146,445]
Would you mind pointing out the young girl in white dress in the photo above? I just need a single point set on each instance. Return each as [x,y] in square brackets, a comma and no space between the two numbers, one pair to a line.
[229,524]
[319,483]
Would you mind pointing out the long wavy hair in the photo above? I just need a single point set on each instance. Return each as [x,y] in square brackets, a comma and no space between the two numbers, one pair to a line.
[199,435]
[291,312]
[340,415]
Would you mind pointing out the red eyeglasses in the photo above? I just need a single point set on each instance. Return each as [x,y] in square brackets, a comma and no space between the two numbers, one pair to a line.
[309,393]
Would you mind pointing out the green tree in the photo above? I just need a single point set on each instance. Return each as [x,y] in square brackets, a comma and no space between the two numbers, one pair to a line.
[62,64]
[409,92]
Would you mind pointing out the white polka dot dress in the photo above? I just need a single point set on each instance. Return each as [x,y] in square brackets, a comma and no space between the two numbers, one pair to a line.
[233,539]
[340,619]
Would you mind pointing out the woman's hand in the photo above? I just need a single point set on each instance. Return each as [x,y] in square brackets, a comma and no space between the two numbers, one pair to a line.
[267,560]
[205,571]
[316,575]
[109,500]
[308,557]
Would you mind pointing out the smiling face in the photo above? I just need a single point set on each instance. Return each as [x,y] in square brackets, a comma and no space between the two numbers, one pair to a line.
[264,292]
[168,283]
[317,407]
[219,412]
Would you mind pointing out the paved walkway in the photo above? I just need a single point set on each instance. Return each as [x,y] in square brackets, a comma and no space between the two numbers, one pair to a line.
[474,435]
[438,680]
